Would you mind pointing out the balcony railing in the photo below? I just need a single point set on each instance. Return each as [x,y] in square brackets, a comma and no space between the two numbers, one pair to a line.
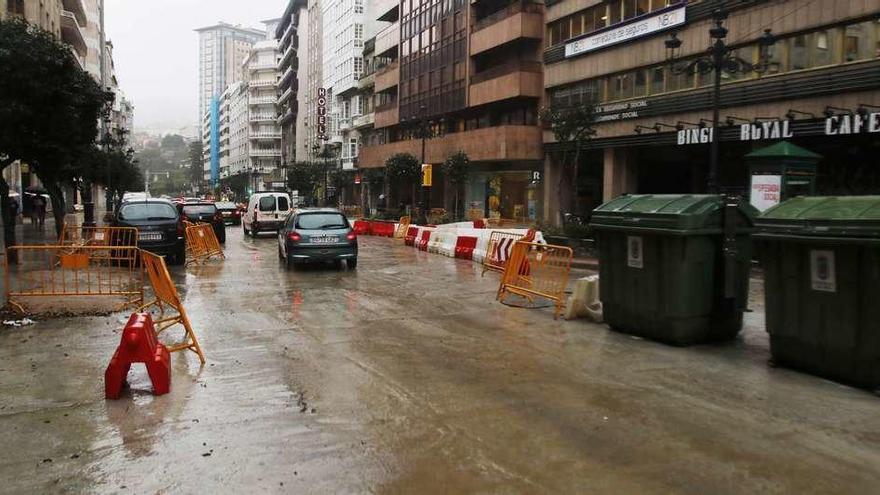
[265,152]
[265,135]
[510,10]
[263,66]
[263,117]
[505,69]
[262,100]
[285,96]
[363,120]
[262,83]
[388,105]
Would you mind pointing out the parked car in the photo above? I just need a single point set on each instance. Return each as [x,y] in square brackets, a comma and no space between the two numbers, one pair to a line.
[230,211]
[266,212]
[160,230]
[319,234]
[206,213]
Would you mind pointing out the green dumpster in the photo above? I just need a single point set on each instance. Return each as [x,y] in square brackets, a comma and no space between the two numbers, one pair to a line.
[663,267]
[821,258]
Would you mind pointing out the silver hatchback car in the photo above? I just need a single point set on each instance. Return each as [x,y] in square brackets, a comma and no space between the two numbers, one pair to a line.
[317,234]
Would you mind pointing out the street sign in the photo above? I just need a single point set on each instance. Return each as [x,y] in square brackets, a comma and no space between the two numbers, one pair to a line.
[426,175]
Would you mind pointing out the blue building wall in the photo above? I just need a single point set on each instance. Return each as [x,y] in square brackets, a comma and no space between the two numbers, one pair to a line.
[215,141]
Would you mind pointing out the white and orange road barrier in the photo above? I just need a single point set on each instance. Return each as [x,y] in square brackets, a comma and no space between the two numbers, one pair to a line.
[537,271]
[201,243]
[166,297]
[60,272]
[500,249]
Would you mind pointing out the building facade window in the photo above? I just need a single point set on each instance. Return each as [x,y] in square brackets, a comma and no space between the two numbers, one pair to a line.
[607,13]
[820,48]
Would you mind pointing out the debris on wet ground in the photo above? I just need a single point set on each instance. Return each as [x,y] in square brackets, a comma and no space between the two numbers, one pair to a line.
[18,323]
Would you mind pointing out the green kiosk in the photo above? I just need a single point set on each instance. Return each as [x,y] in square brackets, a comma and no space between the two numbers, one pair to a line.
[779,172]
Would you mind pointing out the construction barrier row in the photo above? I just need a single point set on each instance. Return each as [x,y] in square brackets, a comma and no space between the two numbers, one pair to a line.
[201,243]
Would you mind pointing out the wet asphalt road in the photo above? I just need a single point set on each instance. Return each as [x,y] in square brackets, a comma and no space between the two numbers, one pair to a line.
[405,376]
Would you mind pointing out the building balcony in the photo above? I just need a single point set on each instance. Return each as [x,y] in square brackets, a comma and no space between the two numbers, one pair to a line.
[503,143]
[268,153]
[362,121]
[263,83]
[262,117]
[265,135]
[78,9]
[520,20]
[291,28]
[262,67]
[511,80]
[72,34]
[387,115]
[367,80]
[263,100]
[285,96]
[387,77]
[286,117]
[388,39]
[344,125]
[287,57]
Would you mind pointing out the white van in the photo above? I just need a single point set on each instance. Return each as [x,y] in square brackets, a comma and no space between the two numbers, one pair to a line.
[266,212]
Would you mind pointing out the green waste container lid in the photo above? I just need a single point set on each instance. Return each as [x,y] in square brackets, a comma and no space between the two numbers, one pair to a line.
[668,213]
[841,217]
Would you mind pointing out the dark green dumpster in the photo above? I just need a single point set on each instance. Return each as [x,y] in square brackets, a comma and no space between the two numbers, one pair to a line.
[664,272]
[821,258]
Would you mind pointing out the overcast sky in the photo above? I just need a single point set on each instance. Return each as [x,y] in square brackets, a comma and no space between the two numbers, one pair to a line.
[156,51]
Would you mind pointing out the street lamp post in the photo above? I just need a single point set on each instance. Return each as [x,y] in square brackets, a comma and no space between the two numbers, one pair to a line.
[720,60]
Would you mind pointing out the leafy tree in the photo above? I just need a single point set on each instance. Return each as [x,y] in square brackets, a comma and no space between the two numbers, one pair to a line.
[173,142]
[196,170]
[305,177]
[373,180]
[403,168]
[49,110]
[456,170]
[572,126]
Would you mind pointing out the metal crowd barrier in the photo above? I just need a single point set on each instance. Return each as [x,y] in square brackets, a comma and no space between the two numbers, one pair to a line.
[61,271]
[537,270]
[499,249]
[166,295]
[201,243]
[76,235]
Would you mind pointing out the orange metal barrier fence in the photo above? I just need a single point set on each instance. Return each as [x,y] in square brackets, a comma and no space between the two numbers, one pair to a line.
[57,271]
[537,270]
[402,227]
[166,295]
[500,247]
[98,236]
[201,243]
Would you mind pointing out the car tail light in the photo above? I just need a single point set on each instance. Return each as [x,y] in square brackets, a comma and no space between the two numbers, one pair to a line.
[180,229]
[236,213]
[351,236]
[294,236]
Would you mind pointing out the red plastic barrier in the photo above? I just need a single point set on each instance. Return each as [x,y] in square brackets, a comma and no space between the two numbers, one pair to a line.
[423,240]
[361,227]
[138,345]
[464,247]
[479,224]
[411,233]
[382,229]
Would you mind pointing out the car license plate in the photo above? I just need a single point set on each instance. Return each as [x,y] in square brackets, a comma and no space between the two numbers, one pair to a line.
[325,239]
[150,236]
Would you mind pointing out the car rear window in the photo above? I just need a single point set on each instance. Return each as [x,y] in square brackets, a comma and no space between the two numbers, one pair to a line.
[199,209]
[282,204]
[226,205]
[267,203]
[321,221]
[147,211]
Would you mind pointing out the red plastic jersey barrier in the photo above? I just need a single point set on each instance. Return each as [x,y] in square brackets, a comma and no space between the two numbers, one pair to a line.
[464,247]
[479,224]
[422,244]
[410,238]
[139,345]
[361,227]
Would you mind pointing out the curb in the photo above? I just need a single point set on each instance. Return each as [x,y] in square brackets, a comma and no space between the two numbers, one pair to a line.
[585,264]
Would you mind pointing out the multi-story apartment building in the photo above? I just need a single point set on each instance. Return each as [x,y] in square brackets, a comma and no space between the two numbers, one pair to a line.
[264,130]
[239,133]
[819,90]
[469,73]
[222,50]
[290,42]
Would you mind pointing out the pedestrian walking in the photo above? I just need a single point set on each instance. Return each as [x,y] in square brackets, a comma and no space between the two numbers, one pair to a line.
[40,211]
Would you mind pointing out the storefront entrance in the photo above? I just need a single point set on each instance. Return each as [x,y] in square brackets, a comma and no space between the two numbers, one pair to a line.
[508,194]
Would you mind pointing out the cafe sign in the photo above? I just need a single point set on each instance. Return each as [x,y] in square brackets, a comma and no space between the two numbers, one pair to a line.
[640,27]
[836,125]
